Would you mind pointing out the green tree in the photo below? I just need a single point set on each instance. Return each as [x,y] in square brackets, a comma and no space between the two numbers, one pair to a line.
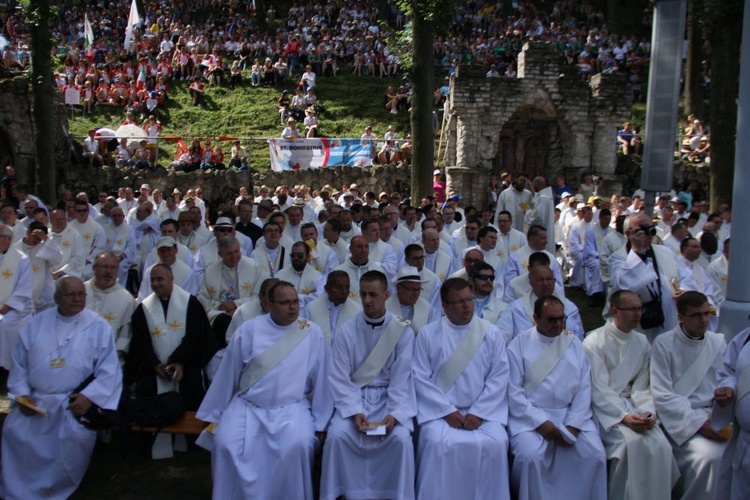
[45,120]
[426,17]
[726,34]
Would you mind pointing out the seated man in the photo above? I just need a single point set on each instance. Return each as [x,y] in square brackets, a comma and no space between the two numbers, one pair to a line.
[487,305]
[57,350]
[226,285]
[407,303]
[16,304]
[334,307]
[554,439]
[301,274]
[106,297]
[462,403]
[640,456]
[358,264]
[256,306]
[371,385]
[185,278]
[684,374]
[268,418]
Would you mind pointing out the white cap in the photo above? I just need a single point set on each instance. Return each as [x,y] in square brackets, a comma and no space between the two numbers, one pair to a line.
[408,274]
[565,195]
[223,222]
[166,242]
[580,206]
[436,172]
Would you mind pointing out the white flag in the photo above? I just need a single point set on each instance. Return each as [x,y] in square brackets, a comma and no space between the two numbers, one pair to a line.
[133,19]
[88,32]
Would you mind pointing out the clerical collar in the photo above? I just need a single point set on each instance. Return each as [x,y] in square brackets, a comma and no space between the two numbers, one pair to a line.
[375,322]
[690,338]
[359,265]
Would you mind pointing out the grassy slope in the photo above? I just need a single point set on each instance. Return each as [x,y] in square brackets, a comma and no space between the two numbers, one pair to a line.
[351,103]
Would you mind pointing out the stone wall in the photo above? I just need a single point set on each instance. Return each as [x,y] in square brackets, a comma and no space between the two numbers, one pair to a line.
[222,187]
[543,122]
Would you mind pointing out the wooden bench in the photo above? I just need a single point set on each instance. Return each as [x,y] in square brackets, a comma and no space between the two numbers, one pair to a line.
[186,424]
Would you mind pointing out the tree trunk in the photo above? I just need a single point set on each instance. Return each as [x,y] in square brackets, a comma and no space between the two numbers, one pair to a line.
[423,76]
[44,102]
[693,91]
[613,15]
[725,69]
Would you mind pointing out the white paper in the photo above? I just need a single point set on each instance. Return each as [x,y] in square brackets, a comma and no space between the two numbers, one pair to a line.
[377,431]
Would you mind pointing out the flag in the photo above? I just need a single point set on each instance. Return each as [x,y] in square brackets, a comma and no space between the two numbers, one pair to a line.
[88,33]
[133,19]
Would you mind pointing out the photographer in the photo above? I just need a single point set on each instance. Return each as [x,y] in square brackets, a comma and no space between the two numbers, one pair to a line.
[650,271]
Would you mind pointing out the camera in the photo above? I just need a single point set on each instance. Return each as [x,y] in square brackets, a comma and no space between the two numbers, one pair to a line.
[649,230]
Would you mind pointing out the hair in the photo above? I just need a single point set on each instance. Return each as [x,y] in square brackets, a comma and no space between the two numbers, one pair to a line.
[226,242]
[473,220]
[537,258]
[374,277]
[616,299]
[690,299]
[485,231]
[505,212]
[79,201]
[62,280]
[620,224]
[280,284]
[308,225]
[534,231]
[411,248]
[172,222]
[294,207]
[480,268]
[450,285]
[604,212]
[34,225]
[268,224]
[367,223]
[334,275]
[303,245]
[105,255]
[709,243]
[679,227]
[244,201]
[684,243]
[335,225]
[543,301]
[165,267]
[266,286]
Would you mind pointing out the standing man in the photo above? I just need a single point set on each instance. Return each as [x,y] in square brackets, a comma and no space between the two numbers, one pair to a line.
[16,289]
[109,299]
[554,439]
[270,402]
[44,256]
[684,375]
[515,200]
[372,388]
[94,239]
[58,350]
[641,461]
[543,213]
[461,380]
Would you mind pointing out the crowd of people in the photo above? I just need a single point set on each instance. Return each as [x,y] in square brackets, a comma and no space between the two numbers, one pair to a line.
[346,320]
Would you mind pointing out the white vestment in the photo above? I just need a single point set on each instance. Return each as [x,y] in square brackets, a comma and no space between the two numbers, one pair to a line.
[420,314]
[306,282]
[120,240]
[193,241]
[47,456]
[576,237]
[439,263]
[220,284]
[518,264]
[340,249]
[514,202]
[683,394]
[328,316]
[73,251]
[543,469]
[265,441]
[383,254]
[590,261]
[641,465]
[116,306]
[94,241]
[718,271]
[356,465]
[44,258]
[16,288]
[355,272]
[457,463]
[509,243]
[519,316]
[270,261]
[734,480]
[323,258]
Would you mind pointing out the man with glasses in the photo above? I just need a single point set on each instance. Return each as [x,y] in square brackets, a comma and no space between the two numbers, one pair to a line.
[407,302]
[59,349]
[271,405]
[518,317]
[685,362]
[641,461]
[94,239]
[690,253]
[368,452]
[487,304]
[306,280]
[270,255]
[227,284]
[554,439]
[651,272]
[461,380]
[106,297]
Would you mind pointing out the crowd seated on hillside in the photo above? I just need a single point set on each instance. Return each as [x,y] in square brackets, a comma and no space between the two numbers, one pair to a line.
[180,40]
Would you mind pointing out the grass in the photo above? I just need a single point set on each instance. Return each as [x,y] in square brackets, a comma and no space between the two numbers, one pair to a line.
[351,103]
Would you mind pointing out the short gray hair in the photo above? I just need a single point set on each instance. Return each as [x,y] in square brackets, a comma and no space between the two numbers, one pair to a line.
[226,242]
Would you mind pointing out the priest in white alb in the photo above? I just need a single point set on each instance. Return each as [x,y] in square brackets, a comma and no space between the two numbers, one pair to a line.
[120,240]
[407,303]
[44,256]
[554,440]
[357,264]
[301,273]
[685,362]
[368,452]
[270,402]
[46,456]
[641,464]
[16,289]
[461,381]
[92,233]
[70,244]
[334,307]
[184,277]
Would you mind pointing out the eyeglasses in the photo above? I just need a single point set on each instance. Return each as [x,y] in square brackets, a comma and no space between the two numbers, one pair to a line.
[698,315]
[631,309]
[459,302]
[412,289]
[222,230]
[297,255]
[485,277]
[287,303]
[556,319]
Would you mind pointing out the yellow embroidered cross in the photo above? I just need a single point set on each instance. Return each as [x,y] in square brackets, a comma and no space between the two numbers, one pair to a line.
[87,236]
[157,331]
[211,290]
[7,274]
[65,244]
[245,287]
[35,268]
[303,323]
[109,317]
[175,325]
